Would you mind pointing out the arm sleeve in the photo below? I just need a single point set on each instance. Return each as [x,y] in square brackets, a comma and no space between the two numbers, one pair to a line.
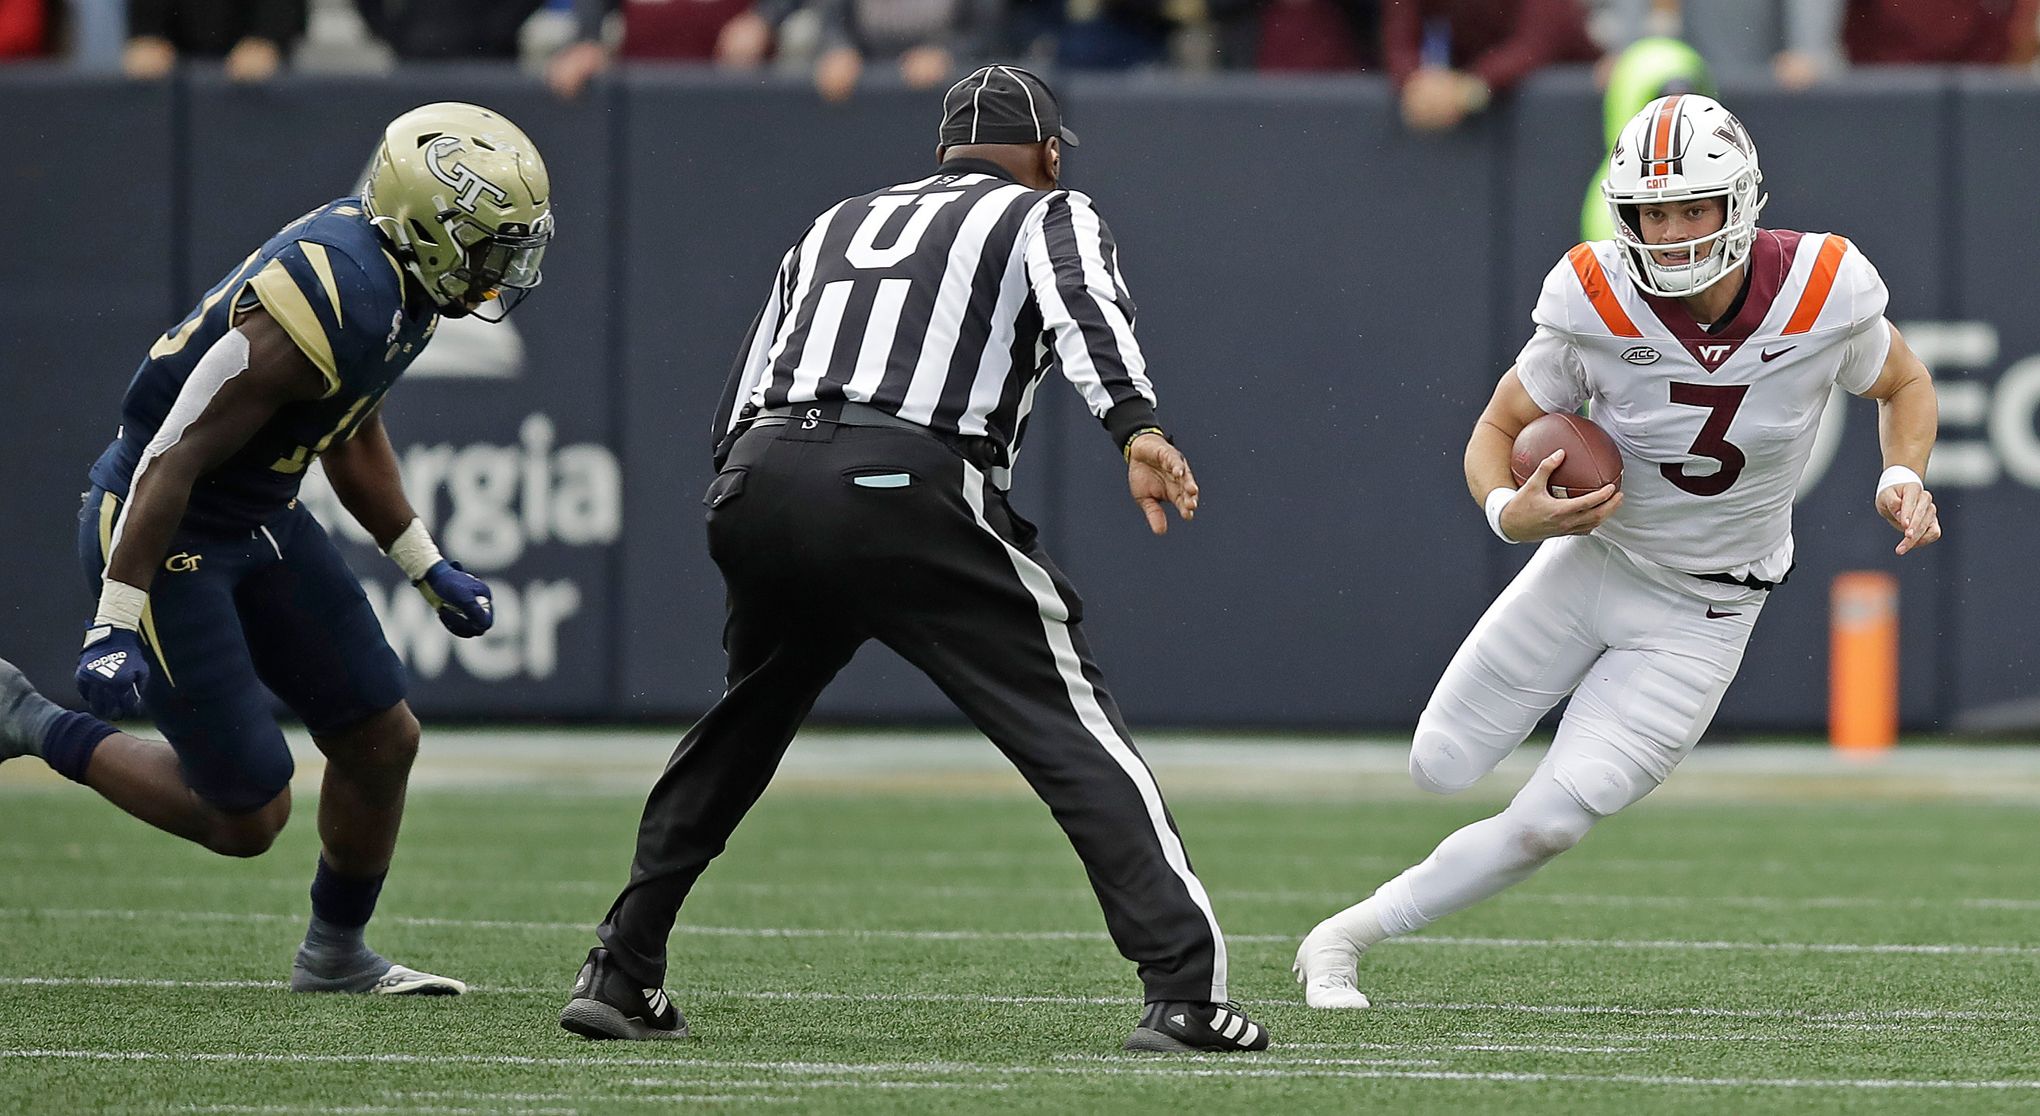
[1814,27]
[588,17]
[375,14]
[976,21]
[754,355]
[837,27]
[1869,332]
[150,18]
[1402,39]
[1545,31]
[340,313]
[1073,270]
[1549,364]
[280,21]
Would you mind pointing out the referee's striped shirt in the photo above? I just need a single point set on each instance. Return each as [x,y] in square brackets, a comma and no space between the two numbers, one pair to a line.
[945,301]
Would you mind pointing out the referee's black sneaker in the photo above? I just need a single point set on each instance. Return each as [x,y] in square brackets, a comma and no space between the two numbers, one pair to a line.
[1179,1026]
[609,1004]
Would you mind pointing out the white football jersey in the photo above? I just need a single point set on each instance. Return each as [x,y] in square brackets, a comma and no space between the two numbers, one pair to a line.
[1715,427]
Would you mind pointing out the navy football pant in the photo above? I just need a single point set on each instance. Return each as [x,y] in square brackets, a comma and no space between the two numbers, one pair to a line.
[235,618]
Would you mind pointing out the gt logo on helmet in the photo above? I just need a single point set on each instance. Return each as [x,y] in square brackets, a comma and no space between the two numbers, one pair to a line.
[469,185]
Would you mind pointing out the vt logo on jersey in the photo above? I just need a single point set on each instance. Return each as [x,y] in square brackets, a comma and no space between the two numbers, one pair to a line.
[468,186]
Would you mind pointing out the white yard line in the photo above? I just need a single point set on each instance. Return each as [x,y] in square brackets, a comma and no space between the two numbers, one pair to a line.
[1953,949]
[1177,1066]
[1081,894]
[1903,1021]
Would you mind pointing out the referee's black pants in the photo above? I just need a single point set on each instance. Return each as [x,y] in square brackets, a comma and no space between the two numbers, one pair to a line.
[879,533]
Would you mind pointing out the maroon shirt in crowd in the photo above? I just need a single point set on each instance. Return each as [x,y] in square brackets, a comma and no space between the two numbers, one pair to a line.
[21,28]
[1498,41]
[1901,32]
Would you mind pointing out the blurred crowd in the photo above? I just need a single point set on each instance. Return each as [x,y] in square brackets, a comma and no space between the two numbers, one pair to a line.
[1447,58]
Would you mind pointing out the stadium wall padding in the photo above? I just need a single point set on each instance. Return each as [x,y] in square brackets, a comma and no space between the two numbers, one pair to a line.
[1326,300]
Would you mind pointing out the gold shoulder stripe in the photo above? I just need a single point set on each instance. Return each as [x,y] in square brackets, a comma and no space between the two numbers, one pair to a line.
[348,211]
[396,269]
[323,266]
[293,311]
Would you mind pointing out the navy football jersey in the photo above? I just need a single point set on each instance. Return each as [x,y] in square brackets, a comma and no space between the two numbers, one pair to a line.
[328,280]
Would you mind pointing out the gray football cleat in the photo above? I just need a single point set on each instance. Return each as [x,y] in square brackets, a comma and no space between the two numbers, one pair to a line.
[381,979]
[24,714]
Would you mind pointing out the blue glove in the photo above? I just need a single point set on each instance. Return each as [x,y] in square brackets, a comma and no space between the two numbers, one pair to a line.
[112,672]
[460,598]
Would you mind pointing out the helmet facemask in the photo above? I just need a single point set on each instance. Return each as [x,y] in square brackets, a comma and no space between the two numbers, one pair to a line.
[498,269]
[1726,248]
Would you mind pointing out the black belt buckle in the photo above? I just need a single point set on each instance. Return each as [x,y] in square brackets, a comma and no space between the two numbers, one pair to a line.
[813,422]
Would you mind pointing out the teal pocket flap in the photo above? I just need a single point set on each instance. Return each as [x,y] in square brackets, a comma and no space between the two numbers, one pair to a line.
[883,480]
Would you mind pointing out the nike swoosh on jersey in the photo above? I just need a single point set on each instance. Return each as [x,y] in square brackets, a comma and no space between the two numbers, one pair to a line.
[1713,615]
[1767,356]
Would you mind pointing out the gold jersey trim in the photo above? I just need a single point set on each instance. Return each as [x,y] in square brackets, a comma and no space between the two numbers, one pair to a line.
[323,267]
[287,303]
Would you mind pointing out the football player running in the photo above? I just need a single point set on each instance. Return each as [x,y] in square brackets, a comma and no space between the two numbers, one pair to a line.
[1707,348]
[217,589]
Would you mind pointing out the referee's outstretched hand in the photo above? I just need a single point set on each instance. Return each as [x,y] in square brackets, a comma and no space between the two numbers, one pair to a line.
[1157,471]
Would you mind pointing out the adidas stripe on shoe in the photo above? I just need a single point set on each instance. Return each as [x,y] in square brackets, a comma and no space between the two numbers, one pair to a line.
[1178,1026]
[608,1004]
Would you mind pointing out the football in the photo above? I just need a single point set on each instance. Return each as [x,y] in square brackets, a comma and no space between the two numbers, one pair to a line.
[1591,458]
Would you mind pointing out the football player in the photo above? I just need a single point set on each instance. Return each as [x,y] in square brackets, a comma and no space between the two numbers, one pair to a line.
[1707,348]
[217,589]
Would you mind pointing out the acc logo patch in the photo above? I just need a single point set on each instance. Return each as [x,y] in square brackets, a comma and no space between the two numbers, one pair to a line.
[1641,354]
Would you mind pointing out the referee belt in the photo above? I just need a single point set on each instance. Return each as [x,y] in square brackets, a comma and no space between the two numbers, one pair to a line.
[981,451]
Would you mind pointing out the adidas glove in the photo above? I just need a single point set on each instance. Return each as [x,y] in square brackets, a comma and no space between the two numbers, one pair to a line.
[460,598]
[112,672]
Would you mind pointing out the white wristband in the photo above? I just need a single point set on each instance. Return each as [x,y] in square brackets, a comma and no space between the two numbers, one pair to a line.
[414,552]
[1898,474]
[120,605]
[1496,501]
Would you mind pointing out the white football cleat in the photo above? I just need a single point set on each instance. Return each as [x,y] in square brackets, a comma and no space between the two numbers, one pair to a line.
[402,981]
[1328,967]
[396,980]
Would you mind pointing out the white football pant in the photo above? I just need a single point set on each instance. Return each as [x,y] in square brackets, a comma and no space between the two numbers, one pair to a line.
[1646,665]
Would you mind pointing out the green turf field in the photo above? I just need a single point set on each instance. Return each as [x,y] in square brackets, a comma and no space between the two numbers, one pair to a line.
[1777,937]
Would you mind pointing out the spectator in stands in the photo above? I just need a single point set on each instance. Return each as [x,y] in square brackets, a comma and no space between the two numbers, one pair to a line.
[1297,35]
[1801,42]
[1904,32]
[23,28]
[1120,34]
[448,30]
[924,38]
[1448,58]
[251,35]
[733,33]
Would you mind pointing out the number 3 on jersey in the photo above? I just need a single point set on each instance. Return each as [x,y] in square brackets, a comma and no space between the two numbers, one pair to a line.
[1721,401]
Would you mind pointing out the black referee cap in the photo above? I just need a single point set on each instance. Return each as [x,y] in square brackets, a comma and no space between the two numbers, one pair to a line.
[1001,104]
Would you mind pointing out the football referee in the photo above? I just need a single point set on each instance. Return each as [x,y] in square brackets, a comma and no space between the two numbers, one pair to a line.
[864,448]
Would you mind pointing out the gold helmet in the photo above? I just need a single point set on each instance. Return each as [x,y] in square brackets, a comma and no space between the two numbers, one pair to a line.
[463,196]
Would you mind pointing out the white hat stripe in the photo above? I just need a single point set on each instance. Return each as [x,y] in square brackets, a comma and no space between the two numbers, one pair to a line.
[1022,83]
[975,111]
